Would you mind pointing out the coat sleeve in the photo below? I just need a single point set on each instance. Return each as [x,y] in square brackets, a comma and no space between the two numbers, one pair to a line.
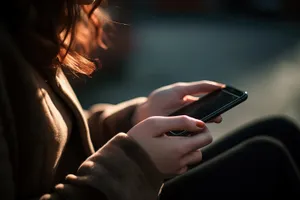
[120,170]
[106,120]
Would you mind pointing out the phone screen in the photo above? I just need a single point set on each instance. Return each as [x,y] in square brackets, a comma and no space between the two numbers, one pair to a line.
[208,104]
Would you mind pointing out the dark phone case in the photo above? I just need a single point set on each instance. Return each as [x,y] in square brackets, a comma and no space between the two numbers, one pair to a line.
[214,115]
[226,108]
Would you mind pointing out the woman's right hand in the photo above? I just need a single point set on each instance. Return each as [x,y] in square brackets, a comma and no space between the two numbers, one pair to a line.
[171,154]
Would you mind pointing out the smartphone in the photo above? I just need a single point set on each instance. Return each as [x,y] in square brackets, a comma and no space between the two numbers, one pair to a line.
[211,106]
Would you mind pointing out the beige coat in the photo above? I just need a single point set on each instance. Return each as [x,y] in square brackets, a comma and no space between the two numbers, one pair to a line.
[45,137]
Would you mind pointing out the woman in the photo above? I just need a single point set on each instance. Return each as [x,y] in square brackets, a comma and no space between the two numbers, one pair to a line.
[50,148]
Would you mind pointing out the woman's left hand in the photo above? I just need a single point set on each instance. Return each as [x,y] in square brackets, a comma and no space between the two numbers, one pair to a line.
[167,99]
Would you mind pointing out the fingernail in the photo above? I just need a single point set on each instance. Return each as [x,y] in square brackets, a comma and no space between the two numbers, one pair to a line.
[200,124]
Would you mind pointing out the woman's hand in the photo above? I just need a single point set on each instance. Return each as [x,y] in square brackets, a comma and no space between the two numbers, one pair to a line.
[171,154]
[168,99]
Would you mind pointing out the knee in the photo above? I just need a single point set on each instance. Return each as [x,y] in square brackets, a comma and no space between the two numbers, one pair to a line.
[264,146]
[281,122]
[264,141]
[282,119]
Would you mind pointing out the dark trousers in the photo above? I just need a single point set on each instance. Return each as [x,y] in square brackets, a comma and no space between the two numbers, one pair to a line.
[259,161]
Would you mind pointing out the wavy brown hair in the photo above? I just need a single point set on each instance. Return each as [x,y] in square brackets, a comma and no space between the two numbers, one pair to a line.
[46,32]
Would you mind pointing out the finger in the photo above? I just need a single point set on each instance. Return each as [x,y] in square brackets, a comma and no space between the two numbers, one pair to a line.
[192,158]
[197,141]
[217,120]
[190,99]
[158,126]
[198,87]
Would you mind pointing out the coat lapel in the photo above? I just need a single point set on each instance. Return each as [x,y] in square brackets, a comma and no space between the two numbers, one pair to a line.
[62,87]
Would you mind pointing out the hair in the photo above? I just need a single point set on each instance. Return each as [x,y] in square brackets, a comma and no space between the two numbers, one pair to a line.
[49,33]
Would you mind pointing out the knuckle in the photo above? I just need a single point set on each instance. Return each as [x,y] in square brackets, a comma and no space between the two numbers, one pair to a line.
[200,156]
[207,138]
[179,85]
[88,167]
[152,121]
[205,82]
[185,120]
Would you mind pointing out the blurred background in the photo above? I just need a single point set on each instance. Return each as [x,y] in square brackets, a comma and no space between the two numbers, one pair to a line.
[253,45]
